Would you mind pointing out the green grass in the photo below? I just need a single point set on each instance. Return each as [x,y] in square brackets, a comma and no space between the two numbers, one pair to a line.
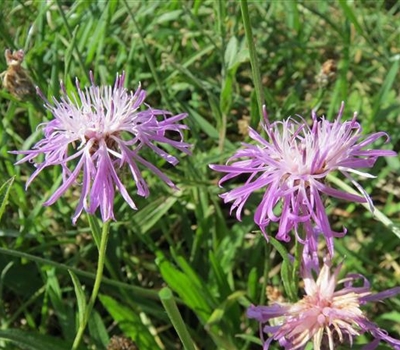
[190,57]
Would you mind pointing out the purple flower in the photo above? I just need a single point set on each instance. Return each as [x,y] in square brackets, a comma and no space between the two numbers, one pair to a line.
[94,134]
[327,315]
[291,169]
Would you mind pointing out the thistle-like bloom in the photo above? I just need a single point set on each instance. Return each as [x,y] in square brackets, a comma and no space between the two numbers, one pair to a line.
[94,134]
[291,168]
[329,314]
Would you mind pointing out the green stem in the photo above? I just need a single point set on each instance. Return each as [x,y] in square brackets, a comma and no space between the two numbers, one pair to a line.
[253,56]
[71,36]
[99,274]
[267,268]
[221,6]
[150,62]
[169,304]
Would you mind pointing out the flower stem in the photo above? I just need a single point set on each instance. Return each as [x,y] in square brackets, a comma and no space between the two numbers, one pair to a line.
[253,56]
[169,304]
[99,274]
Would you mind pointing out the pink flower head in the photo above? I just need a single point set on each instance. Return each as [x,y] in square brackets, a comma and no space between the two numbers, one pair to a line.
[326,316]
[96,133]
[291,169]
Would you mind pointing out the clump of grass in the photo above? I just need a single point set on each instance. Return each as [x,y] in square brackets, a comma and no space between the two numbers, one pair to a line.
[189,57]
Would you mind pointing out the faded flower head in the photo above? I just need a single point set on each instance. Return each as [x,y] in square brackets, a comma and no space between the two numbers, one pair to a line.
[94,134]
[291,168]
[16,79]
[329,314]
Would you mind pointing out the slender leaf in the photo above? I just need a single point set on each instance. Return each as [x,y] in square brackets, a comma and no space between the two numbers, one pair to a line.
[33,341]
[80,296]
[4,193]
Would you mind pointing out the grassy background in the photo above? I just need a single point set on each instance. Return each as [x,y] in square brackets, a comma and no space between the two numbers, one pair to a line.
[190,56]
